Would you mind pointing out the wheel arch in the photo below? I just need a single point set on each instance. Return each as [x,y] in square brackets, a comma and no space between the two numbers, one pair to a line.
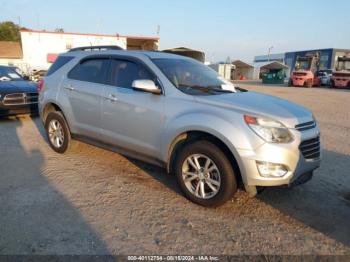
[52,106]
[190,136]
[48,108]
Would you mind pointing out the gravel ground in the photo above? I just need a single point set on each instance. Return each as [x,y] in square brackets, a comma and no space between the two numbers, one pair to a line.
[93,201]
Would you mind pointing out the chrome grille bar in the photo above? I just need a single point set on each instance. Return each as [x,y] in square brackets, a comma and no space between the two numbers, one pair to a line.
[305,126]
[20,99]
[311,148]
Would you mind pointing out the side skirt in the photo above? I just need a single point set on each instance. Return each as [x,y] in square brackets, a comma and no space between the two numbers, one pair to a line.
[120,150]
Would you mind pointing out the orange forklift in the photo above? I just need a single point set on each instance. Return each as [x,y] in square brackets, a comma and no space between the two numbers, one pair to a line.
[341,77]
[305,70]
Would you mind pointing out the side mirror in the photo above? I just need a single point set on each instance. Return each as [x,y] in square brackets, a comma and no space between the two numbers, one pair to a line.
[26,78]
[146,86]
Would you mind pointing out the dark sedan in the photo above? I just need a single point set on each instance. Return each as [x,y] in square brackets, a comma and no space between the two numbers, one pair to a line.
[17,95]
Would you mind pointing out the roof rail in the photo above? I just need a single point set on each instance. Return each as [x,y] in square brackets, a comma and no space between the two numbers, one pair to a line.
[96,48]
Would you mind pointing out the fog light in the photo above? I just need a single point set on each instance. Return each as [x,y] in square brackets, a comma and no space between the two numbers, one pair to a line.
[267,169]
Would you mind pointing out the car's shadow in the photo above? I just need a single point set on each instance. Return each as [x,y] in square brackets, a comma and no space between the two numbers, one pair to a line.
[322,204]
[160,174]
[35,217]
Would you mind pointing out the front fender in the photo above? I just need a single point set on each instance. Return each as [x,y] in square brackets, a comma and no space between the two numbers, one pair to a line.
[235,134]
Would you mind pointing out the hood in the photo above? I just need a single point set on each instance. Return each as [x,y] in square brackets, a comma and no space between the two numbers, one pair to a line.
[288,113]
[18,87]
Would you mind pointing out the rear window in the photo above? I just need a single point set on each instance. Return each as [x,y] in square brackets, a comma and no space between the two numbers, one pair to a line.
[92,70]
[60,61]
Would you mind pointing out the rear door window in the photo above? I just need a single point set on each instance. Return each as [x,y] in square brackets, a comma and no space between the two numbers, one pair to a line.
[60,61]
[124,72]
[91,70]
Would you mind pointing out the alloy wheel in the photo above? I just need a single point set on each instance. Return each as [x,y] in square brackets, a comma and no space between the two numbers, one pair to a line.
[201,176]
[56,133]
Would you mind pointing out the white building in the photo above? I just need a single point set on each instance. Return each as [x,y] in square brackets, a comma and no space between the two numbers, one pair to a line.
[224,70]
[40,48]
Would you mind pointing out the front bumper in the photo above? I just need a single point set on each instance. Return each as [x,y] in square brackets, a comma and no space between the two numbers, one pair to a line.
[285,154]
[341,83]
[298,82]
[18,110]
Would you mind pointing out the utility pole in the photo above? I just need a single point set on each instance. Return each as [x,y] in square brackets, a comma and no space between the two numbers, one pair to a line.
[268,54]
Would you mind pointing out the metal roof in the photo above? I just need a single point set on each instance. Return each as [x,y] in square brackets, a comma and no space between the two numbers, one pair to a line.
[83,34]
[240,63]
[271,65]
[10,49]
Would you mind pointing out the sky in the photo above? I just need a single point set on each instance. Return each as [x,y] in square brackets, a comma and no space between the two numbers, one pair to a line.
[220,28]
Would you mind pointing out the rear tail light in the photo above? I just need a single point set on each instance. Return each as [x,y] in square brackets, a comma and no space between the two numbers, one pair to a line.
[40,85]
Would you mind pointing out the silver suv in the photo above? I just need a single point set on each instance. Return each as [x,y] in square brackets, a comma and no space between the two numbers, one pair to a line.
[177,113]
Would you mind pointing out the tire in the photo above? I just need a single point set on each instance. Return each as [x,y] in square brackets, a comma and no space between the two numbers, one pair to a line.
[222,171]
[332,84]
[308,84]
[56,119]
[290,82]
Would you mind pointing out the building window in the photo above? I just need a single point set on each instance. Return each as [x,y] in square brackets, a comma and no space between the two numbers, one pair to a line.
[68,46]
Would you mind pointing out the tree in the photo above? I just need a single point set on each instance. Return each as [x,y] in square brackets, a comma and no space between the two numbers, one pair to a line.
[59,30]
[9,31]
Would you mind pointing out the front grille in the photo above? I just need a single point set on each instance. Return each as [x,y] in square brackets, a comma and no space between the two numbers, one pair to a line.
[311,148]
[20,99]
[306,126]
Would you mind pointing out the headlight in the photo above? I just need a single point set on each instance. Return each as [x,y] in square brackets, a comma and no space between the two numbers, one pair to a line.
[270,130]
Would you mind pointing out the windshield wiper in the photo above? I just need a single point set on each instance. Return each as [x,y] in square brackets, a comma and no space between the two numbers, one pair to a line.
[241,89]
[210,89]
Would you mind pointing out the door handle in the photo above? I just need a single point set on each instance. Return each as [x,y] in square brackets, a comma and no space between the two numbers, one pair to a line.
[112,98]
[69,87]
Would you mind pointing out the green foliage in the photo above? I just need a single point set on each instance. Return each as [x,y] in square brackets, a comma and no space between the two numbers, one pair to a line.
[59,30]
[9,31]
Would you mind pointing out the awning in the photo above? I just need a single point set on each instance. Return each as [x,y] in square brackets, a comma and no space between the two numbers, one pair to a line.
[240,63]
[198,55]
[270,65]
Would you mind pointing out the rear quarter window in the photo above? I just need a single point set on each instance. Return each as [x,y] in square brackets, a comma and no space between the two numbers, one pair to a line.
[60,61]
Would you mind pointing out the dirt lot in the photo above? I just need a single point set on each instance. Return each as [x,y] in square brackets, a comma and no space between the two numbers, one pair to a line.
[92,201]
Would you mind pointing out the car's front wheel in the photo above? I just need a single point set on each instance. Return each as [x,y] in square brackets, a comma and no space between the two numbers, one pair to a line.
[205,174]
[57,132]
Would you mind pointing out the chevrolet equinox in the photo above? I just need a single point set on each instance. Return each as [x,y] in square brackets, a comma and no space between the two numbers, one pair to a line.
[177,113]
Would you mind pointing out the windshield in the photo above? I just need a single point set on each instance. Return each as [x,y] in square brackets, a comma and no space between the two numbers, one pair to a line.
[344,65]
[192,77]
[303,64]
[9,74]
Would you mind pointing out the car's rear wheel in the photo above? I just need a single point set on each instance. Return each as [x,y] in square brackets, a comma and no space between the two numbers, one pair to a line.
[332,84]
[57,132]
[204,174]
